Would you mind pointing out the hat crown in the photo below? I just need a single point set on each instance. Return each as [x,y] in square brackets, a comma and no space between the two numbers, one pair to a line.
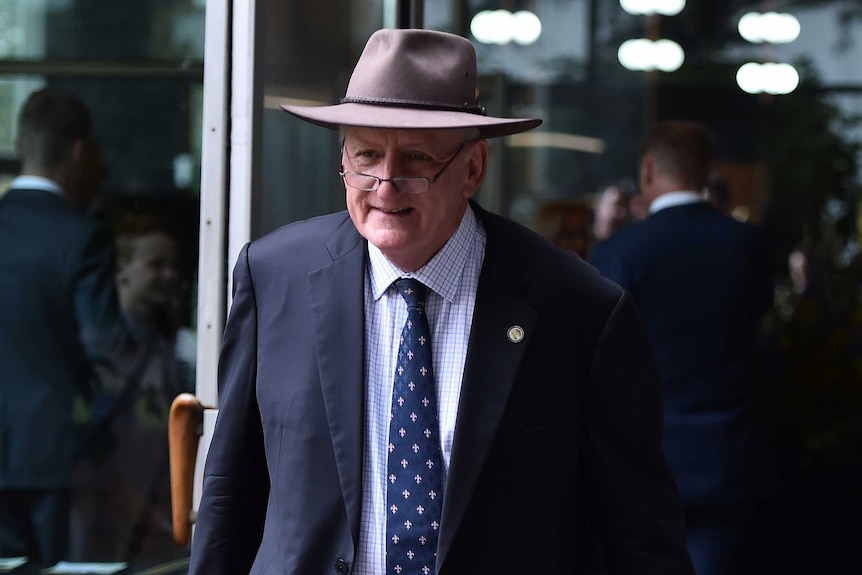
[421,68]
[414,79]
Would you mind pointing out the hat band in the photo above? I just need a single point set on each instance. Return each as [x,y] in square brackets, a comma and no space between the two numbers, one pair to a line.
[420,104]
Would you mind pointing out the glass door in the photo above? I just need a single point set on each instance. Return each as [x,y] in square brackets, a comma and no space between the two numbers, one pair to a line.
[138,69]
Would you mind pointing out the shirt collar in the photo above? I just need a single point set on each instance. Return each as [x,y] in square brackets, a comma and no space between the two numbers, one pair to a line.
[36,183]
[672,199]
[442,273]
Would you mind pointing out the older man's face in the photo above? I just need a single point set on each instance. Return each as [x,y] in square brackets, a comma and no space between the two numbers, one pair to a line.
[410,228]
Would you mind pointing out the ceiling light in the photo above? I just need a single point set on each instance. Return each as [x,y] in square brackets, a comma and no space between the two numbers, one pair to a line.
[769,78]
[502,27]
[644,55]
[772,27]
[663,7]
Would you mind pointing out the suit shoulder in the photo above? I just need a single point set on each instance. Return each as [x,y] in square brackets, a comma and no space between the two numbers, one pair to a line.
[305,233]
[311,238]
[749,228]
[320,227]
[631,233]
[626,239]
[35,211]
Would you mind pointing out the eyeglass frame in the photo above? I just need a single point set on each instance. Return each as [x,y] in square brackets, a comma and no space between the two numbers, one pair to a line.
[394,181]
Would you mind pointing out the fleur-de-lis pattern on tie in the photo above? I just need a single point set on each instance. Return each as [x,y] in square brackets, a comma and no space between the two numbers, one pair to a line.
[414,476]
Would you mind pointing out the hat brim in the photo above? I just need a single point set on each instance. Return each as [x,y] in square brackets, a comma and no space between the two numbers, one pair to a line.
[371,116]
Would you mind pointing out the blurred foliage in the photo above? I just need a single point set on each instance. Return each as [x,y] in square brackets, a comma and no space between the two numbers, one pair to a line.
[814,170]
[811,368]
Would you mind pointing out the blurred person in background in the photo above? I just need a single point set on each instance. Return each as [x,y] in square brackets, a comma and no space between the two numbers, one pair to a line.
[59,315]
[124,488]
[702,281]
[150,289]
[611,212]
[567,223]
[717,194]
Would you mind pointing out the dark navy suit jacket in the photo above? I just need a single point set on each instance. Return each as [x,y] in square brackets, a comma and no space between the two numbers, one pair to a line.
[702,281]
[57,300]
[564,423]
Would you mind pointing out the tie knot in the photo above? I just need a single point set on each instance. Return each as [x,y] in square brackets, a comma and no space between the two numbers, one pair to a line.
[413,291]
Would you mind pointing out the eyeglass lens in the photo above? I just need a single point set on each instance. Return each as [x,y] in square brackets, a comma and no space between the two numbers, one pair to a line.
[404,184]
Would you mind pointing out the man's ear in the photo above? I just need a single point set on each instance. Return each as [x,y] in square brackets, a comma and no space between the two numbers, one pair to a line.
[77,150]
[647,170]
[477,168]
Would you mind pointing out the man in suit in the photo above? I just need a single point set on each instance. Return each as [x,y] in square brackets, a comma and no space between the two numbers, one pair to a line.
[546,406]
[59,310]
[702,282]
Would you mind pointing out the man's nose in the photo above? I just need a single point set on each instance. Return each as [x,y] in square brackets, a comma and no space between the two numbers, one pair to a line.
[387,189]
[389,168]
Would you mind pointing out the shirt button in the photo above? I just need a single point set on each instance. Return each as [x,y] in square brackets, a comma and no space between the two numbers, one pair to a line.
[341,567]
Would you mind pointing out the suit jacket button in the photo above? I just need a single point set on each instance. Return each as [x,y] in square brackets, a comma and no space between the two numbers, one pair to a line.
[341,567]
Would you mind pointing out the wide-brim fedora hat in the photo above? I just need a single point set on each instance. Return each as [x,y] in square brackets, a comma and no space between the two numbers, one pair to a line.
[414,79]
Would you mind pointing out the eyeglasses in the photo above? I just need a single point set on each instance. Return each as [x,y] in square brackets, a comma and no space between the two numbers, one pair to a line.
[404,184]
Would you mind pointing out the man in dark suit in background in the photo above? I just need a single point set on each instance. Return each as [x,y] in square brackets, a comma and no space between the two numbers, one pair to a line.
[548,406]
[59,309]
[702,281]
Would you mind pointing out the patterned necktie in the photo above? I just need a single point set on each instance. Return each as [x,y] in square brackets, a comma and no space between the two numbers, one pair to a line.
[415,470]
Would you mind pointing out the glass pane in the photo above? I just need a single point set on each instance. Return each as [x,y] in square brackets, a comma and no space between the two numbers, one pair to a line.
[308,58]
[595,110]
[98,426]
[589,110]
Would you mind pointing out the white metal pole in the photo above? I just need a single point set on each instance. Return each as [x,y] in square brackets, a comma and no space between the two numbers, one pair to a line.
[211,263]
[245,105]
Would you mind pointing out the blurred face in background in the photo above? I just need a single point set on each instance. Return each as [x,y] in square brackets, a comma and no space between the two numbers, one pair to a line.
[567,223]
[574,233]
[148,276]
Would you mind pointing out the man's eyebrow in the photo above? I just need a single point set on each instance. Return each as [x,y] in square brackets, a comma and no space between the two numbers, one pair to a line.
[357,143]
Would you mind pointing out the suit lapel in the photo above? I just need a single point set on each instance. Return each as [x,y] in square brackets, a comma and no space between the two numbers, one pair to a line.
[338,311]
[489,373]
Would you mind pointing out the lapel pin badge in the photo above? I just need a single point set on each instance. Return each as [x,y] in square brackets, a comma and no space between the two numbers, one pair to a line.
[515,334]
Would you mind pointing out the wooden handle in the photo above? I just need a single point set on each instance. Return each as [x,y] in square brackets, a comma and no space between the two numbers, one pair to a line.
[185,424]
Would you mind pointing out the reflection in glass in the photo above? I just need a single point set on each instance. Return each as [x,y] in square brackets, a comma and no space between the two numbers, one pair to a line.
[138,68]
